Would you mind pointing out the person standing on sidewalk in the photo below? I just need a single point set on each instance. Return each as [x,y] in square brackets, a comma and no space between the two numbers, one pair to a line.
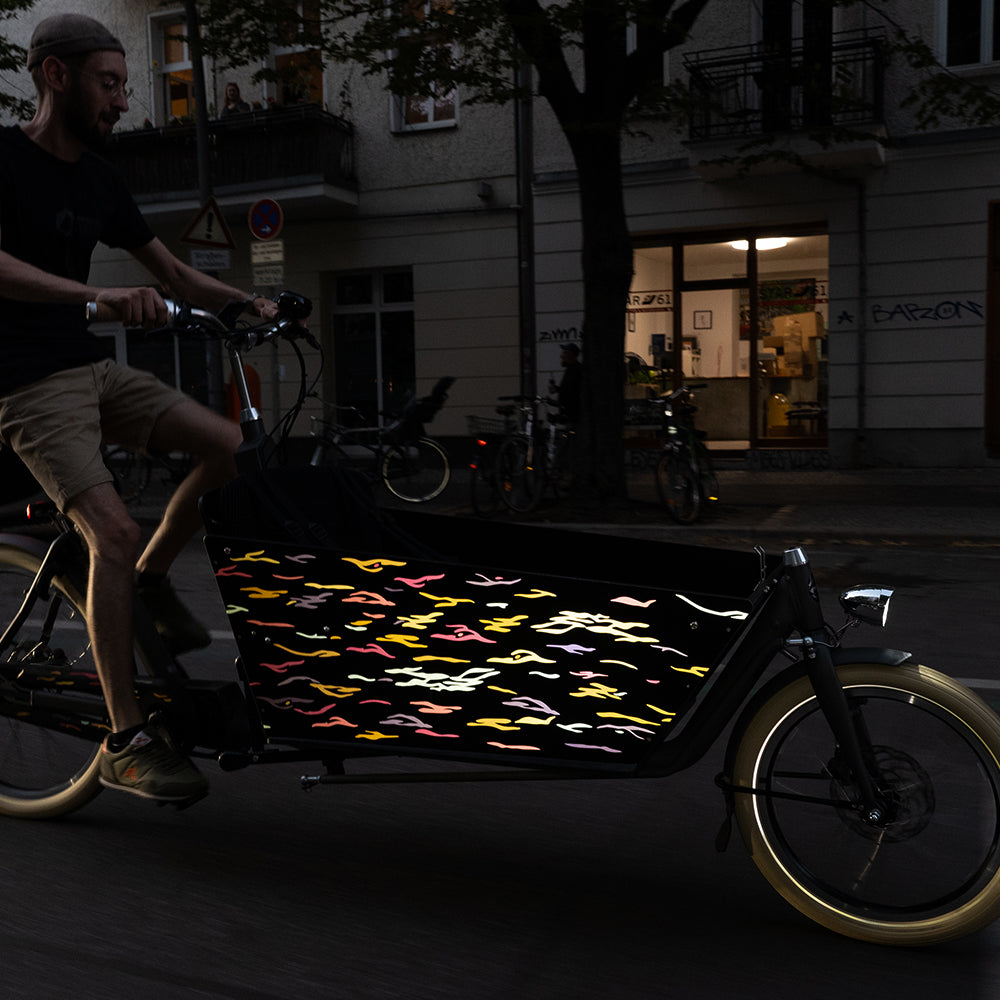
[570,387]
[60,398]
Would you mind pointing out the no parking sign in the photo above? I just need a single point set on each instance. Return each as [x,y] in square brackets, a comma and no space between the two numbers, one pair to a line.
[265,219]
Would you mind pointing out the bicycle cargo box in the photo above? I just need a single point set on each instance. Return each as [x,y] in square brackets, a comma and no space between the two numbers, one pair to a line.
[485,643]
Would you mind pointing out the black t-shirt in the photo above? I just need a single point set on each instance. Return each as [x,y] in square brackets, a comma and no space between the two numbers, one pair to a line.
[52,215]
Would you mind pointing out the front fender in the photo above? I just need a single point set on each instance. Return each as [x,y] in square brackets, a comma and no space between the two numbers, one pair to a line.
[869,654]
[841,655]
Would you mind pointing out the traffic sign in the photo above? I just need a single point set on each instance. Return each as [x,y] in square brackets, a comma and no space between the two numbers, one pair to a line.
[265,219]
[211,258]
[272,252]
[209,229]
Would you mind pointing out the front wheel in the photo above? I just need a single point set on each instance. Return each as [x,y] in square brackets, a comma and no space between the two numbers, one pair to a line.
[928,869]
[677,485]
[416,471]
[44,772]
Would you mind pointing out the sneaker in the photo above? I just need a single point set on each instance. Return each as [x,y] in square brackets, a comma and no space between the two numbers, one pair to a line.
[149,766]
[179,629]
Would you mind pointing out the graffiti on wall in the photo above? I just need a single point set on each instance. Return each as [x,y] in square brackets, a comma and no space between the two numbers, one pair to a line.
[911,313]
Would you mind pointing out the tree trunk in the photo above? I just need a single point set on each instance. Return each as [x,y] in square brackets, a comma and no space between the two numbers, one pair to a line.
[607,275]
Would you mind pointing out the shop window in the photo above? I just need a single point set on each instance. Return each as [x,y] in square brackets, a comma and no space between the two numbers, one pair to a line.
[373,341]
[969,32]
[747,317]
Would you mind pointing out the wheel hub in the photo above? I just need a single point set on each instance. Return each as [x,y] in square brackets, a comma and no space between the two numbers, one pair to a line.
[906,793]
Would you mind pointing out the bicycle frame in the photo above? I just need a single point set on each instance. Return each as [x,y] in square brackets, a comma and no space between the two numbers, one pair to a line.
[370,439]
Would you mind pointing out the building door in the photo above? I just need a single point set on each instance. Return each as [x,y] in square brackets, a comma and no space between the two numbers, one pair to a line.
[373,346]
[746,316]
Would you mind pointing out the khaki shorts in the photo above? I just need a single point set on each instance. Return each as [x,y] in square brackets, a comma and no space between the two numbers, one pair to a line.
[57,425]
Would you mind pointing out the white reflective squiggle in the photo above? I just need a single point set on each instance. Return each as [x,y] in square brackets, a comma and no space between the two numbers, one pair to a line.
[737,615]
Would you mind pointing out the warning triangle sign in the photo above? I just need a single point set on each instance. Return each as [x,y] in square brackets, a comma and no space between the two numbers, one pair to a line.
[209,229]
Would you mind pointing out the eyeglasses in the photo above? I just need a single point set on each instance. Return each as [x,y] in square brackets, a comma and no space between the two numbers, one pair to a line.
[112,86]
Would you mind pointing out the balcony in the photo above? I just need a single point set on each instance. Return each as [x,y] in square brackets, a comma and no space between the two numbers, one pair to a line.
[831,95]
[300,153]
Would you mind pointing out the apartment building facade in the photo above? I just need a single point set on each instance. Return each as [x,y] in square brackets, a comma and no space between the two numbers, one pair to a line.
[834,301]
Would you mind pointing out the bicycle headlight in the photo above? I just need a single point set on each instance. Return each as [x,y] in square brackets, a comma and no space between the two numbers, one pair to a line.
[867,604]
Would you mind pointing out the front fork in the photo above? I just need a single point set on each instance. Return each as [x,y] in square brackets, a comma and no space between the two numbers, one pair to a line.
[848,731]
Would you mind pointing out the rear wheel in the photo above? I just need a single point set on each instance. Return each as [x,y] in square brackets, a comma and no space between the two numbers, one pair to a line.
[519,476]
[928,868]
[561,473]
[417,471]
[678,486]
[484,490]
[44,772]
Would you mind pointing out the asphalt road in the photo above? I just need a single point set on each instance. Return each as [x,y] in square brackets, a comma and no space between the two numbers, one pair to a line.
[554,891]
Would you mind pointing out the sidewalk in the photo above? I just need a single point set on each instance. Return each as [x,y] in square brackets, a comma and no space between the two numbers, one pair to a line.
[777,509]
[847,506]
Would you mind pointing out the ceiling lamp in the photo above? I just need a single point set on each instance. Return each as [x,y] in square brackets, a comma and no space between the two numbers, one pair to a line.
[767,243]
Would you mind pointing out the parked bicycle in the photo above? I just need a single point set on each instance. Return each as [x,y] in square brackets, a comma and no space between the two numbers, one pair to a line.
[488,433]
[413,466]
[685,478]
[133,471]
[536,455]
[866,788]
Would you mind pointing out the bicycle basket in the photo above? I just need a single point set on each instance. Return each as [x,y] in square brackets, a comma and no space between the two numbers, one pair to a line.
[480,426]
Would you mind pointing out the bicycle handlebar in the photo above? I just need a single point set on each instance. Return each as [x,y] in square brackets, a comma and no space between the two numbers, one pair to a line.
[184,318]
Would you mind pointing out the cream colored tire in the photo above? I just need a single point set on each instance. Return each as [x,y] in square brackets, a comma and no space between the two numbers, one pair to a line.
[932,871]
[44,772]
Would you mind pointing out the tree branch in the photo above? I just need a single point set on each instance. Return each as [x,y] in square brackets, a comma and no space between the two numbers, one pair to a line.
[543,46]
[657,31]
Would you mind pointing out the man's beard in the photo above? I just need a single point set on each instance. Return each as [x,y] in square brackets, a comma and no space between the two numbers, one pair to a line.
[82,127]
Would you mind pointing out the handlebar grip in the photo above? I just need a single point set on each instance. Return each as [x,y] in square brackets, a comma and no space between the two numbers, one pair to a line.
[101,312]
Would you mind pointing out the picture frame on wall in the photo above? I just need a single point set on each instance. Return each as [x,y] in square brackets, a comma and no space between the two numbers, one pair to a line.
[703,319]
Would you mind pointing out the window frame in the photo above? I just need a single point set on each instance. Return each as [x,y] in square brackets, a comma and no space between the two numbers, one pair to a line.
[161,24]
[988,46]
[398,109]
[277,52]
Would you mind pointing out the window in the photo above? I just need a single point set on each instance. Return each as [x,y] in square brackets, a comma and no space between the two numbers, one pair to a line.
[299,65]
[631,43]
[172,70]
[373,344]
[439,107]
[970,32]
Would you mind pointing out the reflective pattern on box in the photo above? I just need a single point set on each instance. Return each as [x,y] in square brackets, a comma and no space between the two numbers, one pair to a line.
[455,659]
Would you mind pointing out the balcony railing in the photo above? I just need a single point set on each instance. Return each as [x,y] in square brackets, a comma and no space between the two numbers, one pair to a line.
[277,148]
[748,91]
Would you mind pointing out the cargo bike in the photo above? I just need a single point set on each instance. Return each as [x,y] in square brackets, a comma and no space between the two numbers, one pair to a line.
[866,788]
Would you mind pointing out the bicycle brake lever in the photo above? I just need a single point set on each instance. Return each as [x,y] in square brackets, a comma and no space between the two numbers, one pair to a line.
[306,335]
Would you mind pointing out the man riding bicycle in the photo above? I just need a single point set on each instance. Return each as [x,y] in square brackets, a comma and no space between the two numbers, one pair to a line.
[60,398]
